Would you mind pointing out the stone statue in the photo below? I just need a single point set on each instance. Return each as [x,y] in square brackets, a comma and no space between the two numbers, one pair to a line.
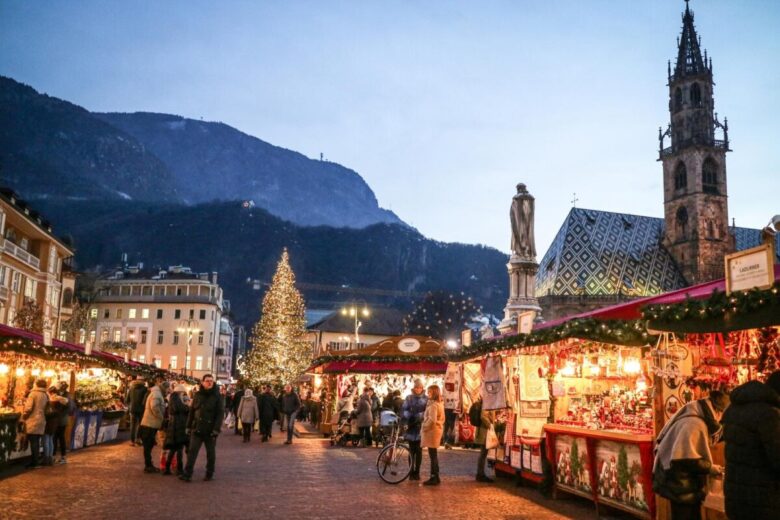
[521,215]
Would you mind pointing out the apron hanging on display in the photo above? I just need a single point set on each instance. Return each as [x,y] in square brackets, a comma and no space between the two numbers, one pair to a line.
[493,385]
[472,384]
[452,387]
[533,387]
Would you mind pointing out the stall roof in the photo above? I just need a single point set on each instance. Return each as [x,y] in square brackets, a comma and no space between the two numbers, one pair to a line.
[411,354]
[632,310]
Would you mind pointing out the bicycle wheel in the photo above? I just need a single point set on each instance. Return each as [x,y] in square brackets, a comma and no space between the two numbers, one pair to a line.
[394,463]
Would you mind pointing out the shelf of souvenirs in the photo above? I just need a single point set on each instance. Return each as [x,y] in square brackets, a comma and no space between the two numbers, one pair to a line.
[611,435]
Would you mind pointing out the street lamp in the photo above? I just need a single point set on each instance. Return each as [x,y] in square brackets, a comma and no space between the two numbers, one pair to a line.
[353,311]
[188,326]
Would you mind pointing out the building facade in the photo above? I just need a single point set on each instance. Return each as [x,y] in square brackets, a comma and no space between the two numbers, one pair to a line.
[336,331]
[32,263]
[170,318]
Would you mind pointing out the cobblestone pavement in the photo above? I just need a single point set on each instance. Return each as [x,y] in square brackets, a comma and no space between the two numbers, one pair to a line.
[308,480]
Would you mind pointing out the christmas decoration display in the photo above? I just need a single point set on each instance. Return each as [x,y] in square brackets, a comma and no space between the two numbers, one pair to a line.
[441,315]
[280,350]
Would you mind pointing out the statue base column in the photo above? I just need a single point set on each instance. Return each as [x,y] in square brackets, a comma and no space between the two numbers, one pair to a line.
[522,292]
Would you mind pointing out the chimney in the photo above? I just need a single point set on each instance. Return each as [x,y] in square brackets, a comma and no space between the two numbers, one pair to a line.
[214,277]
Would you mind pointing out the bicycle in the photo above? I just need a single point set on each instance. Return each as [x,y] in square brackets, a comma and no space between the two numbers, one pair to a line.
[394,462]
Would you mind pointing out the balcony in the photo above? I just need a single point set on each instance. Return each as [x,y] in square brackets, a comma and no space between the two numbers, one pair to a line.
[156,298]
[20,254]
[715,143]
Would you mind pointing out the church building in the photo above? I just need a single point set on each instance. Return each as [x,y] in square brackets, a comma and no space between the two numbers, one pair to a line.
[600,258]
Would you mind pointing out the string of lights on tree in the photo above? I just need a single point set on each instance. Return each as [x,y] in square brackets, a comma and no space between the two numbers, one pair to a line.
[280,350]
[441,315]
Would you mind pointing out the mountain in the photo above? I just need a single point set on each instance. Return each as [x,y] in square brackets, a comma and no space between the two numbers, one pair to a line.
[52,148]
[245,243]
[213,161]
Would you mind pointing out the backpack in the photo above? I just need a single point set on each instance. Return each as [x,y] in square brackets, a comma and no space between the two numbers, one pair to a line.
[475,414]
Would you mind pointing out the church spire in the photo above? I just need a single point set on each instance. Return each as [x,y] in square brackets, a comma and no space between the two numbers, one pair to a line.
[689,58]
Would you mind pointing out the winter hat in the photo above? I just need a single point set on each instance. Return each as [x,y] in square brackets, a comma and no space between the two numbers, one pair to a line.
[180,388]
[773,381]
[247,393]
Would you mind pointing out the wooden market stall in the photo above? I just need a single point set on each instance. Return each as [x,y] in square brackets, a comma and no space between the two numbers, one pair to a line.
[390,364]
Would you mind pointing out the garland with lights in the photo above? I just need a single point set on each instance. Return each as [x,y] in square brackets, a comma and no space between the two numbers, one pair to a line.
[619,332]
[327,358]
[754,308]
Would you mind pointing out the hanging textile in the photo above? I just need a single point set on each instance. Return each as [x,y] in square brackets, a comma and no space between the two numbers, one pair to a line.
[533,387]
[452,387]
[472,383]
[530,427]
[535,409]
[512,369]
[493,384]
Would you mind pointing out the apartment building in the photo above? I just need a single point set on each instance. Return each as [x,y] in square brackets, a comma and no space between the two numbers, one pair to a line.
[172,317]
[343,330]
[32,261]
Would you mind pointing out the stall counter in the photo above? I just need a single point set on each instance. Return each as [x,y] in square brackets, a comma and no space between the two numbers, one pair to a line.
[612,468]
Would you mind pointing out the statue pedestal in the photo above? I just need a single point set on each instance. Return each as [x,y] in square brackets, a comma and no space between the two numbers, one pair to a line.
[522,292]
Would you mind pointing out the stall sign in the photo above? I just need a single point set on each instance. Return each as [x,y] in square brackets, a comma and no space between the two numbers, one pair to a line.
[465,338]
[748,269]
[525,322]
[408,345]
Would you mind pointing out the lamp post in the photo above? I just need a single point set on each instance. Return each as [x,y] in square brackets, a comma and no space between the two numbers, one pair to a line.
[188,326]
[355,312]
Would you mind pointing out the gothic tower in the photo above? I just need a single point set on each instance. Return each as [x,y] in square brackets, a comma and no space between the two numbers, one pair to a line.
[695,197]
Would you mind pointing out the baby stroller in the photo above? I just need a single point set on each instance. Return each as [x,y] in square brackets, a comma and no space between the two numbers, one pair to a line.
[387,420]
[345,432]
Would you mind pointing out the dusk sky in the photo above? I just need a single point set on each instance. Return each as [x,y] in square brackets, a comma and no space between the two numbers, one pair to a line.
[441,106]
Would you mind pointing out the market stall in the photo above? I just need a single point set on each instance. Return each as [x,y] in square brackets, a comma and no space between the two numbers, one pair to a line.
[389,365]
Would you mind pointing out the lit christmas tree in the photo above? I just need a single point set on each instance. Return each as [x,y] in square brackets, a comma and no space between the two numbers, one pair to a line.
[280,351]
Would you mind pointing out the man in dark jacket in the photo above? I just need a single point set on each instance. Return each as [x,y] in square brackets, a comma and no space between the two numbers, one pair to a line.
[291,404]
[136,401]
[268,406]
[204,423]
[751,429]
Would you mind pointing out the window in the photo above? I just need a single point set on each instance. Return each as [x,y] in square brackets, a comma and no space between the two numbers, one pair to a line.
[145,314]
[159,314]
[199,363]
[212,315]
[93,313]
[173,363]
[92,337]
[106,313]
[209,364]
[203,314]
[211,338]
[709,176]
[187,363]
[142,359]
[2,275]
[30,287]
[103,335]
[143,337]
[52,259]
[200,338]
[696,95]
[680,176]
[130,334]
[131,314]
[175,337]
[192,313]
[678,99]
[117,335]
[160,337]
[178,291]
[682,222]
[157,361]
[16,282]
[711,229]
[177,314]
[119,313]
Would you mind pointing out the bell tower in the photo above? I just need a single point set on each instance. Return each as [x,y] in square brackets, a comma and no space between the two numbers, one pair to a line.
[694,165]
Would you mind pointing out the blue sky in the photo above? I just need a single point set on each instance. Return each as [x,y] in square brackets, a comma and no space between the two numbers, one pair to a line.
[441,106]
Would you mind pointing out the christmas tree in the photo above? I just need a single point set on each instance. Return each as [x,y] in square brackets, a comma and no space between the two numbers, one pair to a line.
[280,351]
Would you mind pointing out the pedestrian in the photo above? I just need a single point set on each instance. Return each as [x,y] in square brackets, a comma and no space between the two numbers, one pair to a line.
[268,410]
[136,398]
[412,415]
[483,420]
[682,455]
[34,417]
[247,413]
[291,404]
[375,406]
[751,429]
[387,401]
[65,412]
[176,430]
[233,410]
[53,414]
[344,407]
[151,422]
[364,419]
[398,402]
[204,422]
[432,429]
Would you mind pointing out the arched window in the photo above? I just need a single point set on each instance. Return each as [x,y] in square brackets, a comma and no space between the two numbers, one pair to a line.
[696,95]
[680,176]
[709,176]
[678,99]
[681,219]
[711,229]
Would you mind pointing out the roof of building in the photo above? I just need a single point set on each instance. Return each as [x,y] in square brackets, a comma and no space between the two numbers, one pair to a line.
[35,218]
[381,322]
[599,253]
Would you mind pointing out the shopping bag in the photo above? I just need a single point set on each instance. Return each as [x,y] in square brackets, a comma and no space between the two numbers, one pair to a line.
[491,439]
[465,432]
[164,458]
[240,426]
